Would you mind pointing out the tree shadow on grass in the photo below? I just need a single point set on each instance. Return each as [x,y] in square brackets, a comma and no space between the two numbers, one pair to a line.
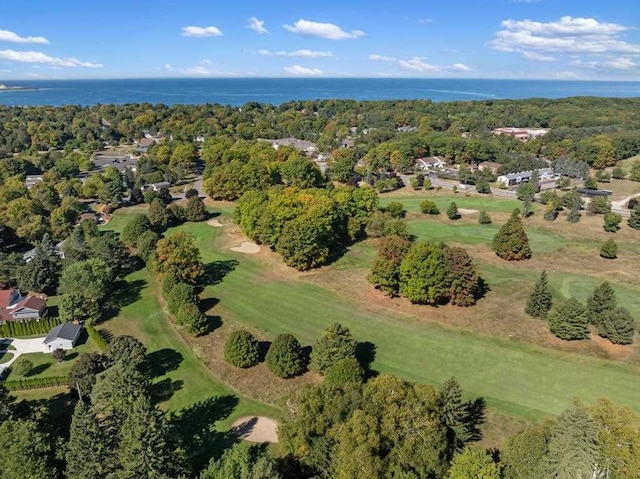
[213,323]
[194,428]
[263,349]
[366,354]
[57,409]
[126,293]
[475,417]
[483,289]
[215,272]
[39,369]
[163,361]
[163,390]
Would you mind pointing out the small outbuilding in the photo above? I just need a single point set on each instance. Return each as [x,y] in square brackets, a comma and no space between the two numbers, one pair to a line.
[63,336]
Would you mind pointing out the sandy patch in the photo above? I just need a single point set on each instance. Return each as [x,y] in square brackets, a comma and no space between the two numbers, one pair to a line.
[256,429]
[215,223]
[247,247]
[464,211]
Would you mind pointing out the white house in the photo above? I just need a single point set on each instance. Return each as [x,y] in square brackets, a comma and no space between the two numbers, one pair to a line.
[63,336]
[431,163]
[511,179]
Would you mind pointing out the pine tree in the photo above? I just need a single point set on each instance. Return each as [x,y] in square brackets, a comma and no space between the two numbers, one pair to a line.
[336,343]
[551,212]
[462,278]
[452,211]
[511,242]
[573,446]
[88,452]
[539,303]
[41,273]
[158,214]
[601,300]
[617,326]
[574,214]
[634,218]
[454,414]
[569,321]
[145,450]
[609,249]
[484,218]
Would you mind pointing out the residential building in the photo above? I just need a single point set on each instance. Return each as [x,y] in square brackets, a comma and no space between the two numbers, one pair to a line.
[522,134]
[489,165]
[156,186]
[31,180]
[511,179]
[431,163]
[15,307]
[63,336]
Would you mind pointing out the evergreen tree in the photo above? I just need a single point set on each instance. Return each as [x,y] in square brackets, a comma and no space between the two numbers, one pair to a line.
[241,349]
[524,455]
[473,462]
[574,214]
[484,218]
[617,326]
[336,343]
[601,300]
[158,215]
[452,211]
[454,415]
[195,209]
[242,462]
[634,218]
[28,451]
[145,450]
[511,242]
[41,274]
[609,249]
[539,303]
[551,212]
[136,226]
[569,321]
[612,222]
[462,279]
[285,358]
[573,450]
[87,452]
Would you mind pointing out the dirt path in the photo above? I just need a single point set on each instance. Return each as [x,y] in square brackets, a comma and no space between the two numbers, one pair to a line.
[256,429]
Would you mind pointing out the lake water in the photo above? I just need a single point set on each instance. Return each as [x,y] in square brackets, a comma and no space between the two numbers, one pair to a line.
[238,91]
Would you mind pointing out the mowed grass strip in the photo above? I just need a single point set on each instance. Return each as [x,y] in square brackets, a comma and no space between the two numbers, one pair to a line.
[517,379]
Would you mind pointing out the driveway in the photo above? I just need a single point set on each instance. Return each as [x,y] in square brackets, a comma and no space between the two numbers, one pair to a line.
[23,346]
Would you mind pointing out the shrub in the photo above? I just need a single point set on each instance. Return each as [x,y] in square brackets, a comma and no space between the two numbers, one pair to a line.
[428,207]
[569,321]
[484,218]
[599,205]
[634,218]
[383,224]
[285,358]
[603,176]
[347,370]
[241,349]
[193,320]
[591,183]
[191,192]
[574,214]
[618,174]
[336,343]
[396,209]
[59,354]
[181,294]
[22,366]
[612,222]
[452,211]
[551,212]
[609,249]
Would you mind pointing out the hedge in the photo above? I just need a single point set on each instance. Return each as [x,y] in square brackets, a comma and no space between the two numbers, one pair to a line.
[96,337]
[35,383]
[16,329]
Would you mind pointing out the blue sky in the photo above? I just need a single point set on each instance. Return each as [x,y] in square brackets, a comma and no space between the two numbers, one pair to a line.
[546,39]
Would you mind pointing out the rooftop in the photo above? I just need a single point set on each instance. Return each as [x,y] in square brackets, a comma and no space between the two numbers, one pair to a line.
[68,331]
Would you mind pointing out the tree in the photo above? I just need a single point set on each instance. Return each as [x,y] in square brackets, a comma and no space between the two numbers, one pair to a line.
[454,414]
[179,255]
[540,301]
[74,307]
[526,191]
[634,218]
[336,343]
[41,273]
[158,214]
[429,207]
[599,205]
[242,462]
[590,183]
[569,321]
[574,214]
[551,212]
[88,452]
[511,242]
[473,462]
[305,242]
[452,212]
[136,226]
[184,154]
[618,174]
[609,249]
[344,371]
[146,246]
[194,320]
[482,186]
[617,326]
[112,251]
[195,209]
[180,295]
[241,349]
[91,279]
[285,358]
[462,278]
[128,351]
[396,209]
[484,218]
[524,455]
[612,222]
[29,454]
[385,271]
[145,449]
[573,449]
[84,370]
[423,275]
[59,354]
[600,301]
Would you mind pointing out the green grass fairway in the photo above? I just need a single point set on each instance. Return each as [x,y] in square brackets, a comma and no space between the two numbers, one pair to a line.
[514,378]
[443,199]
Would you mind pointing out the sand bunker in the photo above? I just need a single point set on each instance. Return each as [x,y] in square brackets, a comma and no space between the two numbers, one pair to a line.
[464,211]
[256,429]
[215,223]
[247,247]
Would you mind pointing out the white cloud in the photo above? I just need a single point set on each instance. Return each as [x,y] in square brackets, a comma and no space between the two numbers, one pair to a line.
[322,30]
[460,67]
[418,64]
[424,20]
[167,66]
[620,64]
[302,71]
[41,58]
[538,57]
[257,26]
[568,35]
[381,58]
[7,36]
[297,53]
[202,69]
[201,32]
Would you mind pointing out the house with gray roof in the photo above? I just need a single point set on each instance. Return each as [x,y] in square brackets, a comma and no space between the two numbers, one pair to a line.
[512,179]
[63,336]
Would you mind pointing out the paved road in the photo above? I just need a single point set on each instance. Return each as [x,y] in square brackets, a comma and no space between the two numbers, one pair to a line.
[195,183]
[23,346]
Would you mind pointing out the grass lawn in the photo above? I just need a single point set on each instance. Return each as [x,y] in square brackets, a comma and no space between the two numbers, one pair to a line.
[443,198]
[5,357]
